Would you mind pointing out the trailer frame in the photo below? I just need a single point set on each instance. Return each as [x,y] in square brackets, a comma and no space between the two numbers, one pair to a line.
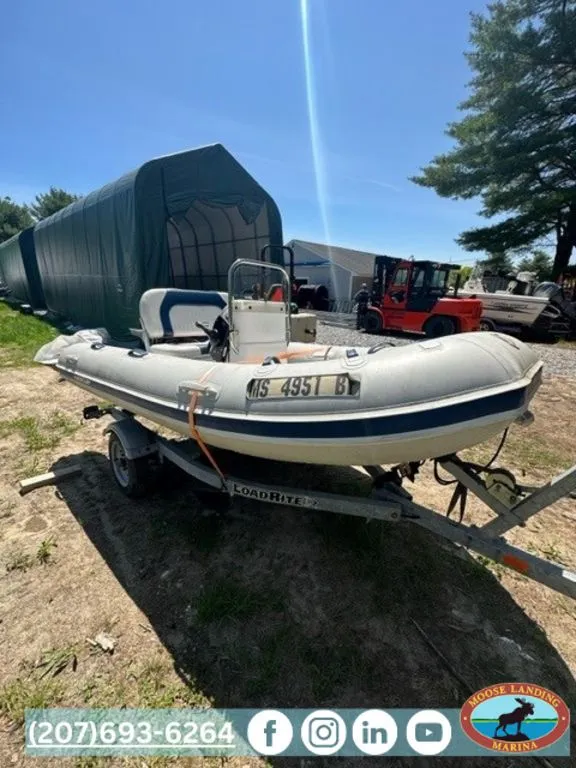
[513,504]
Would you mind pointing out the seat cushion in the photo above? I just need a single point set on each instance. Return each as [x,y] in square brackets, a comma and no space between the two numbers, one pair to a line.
[181,350]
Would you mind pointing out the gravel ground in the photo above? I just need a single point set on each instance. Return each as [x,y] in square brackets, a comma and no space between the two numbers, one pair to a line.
[338,329]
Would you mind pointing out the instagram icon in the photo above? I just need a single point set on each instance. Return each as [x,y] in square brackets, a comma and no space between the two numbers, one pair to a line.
[323,732]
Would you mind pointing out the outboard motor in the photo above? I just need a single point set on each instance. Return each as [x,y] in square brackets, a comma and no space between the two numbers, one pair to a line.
[555,295]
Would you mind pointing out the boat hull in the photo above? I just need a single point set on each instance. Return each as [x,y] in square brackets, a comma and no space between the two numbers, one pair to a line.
[509,309]
[417,402]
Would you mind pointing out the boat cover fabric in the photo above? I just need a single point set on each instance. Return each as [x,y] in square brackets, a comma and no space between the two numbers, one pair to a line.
[19,269]
[48,353]
[177,221]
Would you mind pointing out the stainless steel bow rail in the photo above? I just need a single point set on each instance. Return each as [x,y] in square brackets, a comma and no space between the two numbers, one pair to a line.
[133,448]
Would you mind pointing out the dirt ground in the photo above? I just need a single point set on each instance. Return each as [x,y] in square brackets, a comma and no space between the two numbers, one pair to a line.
[258,606]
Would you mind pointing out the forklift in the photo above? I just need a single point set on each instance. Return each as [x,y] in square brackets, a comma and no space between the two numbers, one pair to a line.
[411,296]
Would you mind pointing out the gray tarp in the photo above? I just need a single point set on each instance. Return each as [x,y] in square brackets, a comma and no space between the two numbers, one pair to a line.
[19,269]
[177,221]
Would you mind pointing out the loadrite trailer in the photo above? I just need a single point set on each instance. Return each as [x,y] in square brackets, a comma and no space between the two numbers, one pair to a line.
[138,455]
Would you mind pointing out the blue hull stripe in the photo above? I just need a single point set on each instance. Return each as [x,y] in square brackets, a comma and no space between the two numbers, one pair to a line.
[323,428]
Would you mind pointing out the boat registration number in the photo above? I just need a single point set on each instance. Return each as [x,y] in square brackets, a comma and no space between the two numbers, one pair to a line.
[299,386]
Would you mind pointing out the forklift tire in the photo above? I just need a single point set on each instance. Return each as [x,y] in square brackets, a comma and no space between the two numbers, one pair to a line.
[372,322]
[132,476]
[439,326]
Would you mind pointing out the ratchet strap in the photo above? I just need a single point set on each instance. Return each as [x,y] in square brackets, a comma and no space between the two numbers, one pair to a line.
[460,495]
[195,432]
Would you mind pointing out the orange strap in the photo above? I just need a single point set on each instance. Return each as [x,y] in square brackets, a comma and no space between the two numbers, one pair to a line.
[195,432]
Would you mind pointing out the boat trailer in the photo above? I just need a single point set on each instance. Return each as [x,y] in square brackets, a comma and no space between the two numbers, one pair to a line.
[132,448]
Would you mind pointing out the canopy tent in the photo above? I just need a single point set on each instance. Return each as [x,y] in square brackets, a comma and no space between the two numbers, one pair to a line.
[177,221]
[19,269]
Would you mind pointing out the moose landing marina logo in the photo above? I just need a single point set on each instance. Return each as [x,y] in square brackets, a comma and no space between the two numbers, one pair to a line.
[514,717]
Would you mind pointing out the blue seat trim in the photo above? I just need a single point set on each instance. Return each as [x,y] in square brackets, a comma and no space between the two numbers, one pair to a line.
[176,297]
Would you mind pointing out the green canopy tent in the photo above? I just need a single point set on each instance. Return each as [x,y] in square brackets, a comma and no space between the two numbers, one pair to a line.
[19,269]
[177,221]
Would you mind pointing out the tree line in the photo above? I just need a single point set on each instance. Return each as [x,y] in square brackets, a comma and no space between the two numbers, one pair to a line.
[14,217]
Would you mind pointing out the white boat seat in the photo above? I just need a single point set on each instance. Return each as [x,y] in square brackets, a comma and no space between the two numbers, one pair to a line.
[168,317]
[184,349]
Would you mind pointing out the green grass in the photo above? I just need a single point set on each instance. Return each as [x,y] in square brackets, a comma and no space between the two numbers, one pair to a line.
[44,551]
[22,561]
[492,565]
[21,336]
[19,695]
[521,450]
[55,660]
[19,561]
[39,435]
[156,691]
[150,686]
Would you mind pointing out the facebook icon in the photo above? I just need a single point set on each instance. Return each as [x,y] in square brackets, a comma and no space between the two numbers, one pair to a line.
[270,732]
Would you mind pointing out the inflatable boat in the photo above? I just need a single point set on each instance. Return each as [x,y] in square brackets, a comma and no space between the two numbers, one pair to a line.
[249,389]
[321,405]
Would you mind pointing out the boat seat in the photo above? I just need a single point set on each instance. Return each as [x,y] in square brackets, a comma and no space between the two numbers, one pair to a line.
[168,317]
[183,349]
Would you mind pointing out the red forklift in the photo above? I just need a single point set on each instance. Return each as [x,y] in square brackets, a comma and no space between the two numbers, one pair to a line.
[411,296]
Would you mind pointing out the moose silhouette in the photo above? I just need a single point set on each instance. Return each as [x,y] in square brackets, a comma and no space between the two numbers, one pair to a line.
[517,716]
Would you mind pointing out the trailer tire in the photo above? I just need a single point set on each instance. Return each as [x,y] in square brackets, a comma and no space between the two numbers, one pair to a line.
[439,326]
[373,322]
[133,476]
[486,324]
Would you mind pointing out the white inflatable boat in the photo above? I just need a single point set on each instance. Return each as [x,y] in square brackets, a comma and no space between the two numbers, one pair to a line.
[311,403]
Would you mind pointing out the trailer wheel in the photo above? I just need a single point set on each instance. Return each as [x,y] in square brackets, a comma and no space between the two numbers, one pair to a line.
[439,326]
[486,325]
[132,475]
[372,322]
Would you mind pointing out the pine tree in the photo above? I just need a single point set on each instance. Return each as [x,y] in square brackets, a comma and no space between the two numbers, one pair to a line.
[516,146]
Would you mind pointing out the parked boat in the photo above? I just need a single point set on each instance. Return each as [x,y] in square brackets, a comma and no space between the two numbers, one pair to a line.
[520,304]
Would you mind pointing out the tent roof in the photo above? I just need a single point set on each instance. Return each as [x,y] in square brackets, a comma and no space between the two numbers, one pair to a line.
[204,173]
[179,220]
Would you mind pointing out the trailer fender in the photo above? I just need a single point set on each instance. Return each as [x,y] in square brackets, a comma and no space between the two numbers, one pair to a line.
[136,440]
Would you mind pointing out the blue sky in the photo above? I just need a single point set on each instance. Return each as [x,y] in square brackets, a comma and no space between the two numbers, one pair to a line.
[95,89]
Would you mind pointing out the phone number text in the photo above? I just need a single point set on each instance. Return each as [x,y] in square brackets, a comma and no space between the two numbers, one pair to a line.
[88,733]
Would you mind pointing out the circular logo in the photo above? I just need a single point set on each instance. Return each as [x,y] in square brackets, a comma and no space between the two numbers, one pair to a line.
[374,732]
[270,732]
[428,732]
[323,732]
[525,714]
